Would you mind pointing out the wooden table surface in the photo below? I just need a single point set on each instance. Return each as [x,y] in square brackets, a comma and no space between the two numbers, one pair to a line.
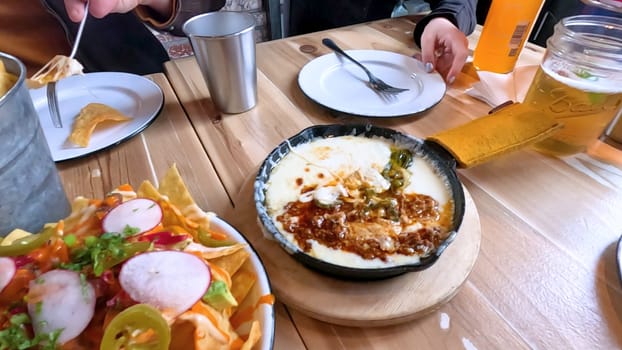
[546,275]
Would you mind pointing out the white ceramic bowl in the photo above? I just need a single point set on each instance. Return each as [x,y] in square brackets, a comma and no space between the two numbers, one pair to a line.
[265,312]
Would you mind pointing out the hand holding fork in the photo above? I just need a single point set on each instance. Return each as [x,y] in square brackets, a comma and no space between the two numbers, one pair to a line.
[60,67]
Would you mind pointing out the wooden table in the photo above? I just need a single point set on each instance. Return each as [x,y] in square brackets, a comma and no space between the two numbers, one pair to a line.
[546,275]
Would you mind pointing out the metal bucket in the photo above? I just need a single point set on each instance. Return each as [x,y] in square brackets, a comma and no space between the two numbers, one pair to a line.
[31,193]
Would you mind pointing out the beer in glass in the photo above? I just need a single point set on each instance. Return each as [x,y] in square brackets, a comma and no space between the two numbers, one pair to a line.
[579,82]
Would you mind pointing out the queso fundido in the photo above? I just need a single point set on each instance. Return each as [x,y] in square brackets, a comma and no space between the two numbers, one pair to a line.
[359,202]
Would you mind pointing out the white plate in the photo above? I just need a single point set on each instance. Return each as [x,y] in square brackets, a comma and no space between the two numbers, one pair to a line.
[133,95]
[339,84]
[265,312]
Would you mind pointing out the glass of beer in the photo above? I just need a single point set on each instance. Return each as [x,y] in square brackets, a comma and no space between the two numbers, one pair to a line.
[579,82]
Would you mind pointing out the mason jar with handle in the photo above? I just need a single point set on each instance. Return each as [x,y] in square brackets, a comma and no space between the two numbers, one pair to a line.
[31,193]
[579,81]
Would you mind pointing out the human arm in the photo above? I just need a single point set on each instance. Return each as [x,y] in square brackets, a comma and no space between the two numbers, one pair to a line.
[441,35]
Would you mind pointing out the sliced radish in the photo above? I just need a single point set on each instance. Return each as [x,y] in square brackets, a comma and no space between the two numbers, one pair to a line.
[60,299]
[169,280]
[141,213]
[7,271]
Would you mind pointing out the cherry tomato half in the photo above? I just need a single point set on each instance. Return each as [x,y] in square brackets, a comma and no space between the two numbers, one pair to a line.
[139,326]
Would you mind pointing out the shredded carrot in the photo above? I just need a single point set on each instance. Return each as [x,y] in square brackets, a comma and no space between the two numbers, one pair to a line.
[218,271]
[200,308]
[18,287]
[266,299]
[158,228]
[100,214]
[50,254]
[246,314]
[60,227]
[125,187]
[236,344]
[177,229]
[242,316]
[218,235]
[145,337]
[195,253]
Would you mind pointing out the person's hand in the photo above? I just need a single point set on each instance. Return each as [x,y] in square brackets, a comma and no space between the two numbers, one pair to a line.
[101,8]
[444,48]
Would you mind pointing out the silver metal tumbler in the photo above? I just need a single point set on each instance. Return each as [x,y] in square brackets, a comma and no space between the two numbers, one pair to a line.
[224,46]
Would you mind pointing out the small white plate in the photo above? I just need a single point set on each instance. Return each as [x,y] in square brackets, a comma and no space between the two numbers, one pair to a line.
[337,83]
[133,95]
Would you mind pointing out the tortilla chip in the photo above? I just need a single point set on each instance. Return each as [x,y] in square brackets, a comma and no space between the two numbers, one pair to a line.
[57,68]
[89,117]
[232,262]
[148,190]
[7,80]
[13,236]
[253,336]
[174,188]
[209,253]
[170,214]
[242,281]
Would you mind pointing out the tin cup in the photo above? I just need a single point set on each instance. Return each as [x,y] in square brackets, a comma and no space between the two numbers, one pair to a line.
[31,193]
[224,47]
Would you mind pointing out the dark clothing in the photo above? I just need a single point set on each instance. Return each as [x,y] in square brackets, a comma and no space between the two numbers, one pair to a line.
[311,16]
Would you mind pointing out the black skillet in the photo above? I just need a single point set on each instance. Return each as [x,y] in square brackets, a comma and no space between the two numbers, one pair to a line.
[441,160]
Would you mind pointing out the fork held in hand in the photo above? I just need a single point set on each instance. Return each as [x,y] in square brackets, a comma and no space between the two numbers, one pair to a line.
[51,86]
[375,83]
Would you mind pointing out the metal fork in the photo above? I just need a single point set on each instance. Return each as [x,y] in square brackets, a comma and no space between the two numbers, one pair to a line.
[51,86]
[374,82]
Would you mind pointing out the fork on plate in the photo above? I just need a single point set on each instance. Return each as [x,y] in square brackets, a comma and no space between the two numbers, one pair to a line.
[374,82]
[51,86]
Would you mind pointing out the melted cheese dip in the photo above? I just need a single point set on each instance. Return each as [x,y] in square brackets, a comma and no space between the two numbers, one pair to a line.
[322,172]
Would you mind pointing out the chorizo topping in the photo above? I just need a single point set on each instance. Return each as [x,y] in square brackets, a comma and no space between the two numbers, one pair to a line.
[368,213]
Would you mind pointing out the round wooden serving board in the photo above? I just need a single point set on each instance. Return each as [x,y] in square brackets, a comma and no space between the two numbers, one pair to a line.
[361,303]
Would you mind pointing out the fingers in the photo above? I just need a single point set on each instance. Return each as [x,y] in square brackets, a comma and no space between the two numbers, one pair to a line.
[75,9]
[428,46]
[444,48]
[97,8]
[459,55]
[101,8]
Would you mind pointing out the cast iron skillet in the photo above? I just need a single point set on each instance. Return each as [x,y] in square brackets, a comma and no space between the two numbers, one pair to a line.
[438,157]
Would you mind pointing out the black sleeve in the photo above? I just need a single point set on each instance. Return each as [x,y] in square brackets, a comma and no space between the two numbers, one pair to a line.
[460,12]
[117,42]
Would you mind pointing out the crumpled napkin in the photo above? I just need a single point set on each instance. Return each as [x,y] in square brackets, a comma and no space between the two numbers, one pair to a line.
[496,88]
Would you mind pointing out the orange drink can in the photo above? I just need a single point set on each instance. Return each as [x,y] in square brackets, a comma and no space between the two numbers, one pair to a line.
[505,32]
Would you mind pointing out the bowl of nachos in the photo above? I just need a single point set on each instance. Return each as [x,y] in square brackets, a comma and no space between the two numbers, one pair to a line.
[142,268]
